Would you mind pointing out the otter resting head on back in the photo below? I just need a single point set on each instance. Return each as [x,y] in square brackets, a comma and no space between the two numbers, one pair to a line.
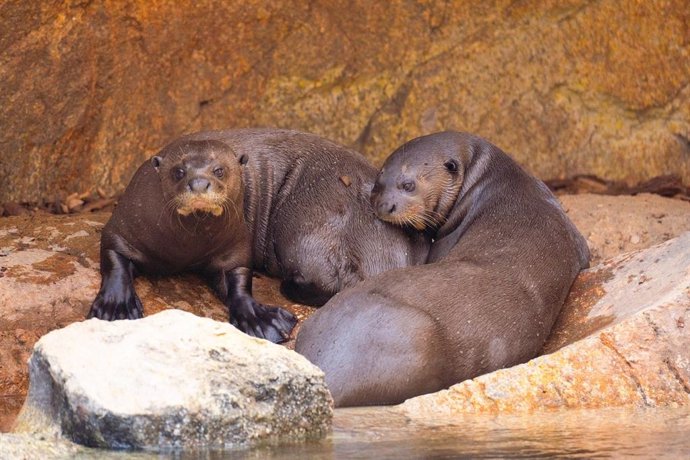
[503,257]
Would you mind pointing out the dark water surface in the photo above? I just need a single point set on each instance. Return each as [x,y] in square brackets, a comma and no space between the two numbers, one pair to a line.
[381,433]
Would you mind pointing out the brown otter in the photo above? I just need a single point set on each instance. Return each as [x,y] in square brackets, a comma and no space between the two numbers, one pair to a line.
[307,208]
[503,258]
[182,211]
[291,204]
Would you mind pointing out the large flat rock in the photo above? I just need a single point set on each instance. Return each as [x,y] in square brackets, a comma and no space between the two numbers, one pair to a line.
[578,86]
[621,340]
[171,380]
[613,225]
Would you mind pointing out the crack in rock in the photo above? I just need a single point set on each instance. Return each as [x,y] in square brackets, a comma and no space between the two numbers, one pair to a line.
[606,340]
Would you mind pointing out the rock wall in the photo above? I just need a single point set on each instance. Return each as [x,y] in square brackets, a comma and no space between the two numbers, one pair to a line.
[92,88]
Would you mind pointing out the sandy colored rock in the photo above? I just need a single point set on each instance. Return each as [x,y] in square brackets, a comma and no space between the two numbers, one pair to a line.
[617,224]
[621,340]
[92,88]
[171,380]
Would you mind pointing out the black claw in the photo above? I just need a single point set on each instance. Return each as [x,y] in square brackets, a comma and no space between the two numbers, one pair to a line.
[116,299]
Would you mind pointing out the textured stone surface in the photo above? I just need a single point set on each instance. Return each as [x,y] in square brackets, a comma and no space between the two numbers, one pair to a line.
[171,380]
[91,88]
[617,224]
[621,340]
[26,446]
[49,277]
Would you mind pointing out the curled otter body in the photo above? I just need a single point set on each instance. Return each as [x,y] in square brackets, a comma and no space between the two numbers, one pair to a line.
[291,204]
[502,261]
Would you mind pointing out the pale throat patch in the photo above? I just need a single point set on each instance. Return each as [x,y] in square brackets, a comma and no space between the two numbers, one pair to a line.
[191,203]
[187,210]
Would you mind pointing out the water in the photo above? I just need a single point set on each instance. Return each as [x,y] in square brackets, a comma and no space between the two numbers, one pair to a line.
[383,433]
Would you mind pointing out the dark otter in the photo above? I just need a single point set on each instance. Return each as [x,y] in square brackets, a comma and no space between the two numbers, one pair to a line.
[182,211]
[291,204]
[309,216]
[501,264]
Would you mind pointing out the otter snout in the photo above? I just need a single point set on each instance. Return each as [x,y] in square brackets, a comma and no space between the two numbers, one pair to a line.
[399,205]
[384,205]
[199,185]
[384,208]
[201,194]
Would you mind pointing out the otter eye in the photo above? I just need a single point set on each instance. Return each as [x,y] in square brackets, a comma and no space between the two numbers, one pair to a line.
[451,165]
[408,186]
[179,173]
[219,172]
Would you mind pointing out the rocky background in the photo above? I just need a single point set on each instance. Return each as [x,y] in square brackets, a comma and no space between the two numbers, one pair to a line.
[89,89]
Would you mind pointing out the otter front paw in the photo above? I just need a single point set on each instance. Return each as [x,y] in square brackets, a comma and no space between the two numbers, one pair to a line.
[266,322]
[110,308]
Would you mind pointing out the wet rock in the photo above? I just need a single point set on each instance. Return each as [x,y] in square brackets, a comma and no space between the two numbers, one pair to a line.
[621,340]
[92,88]
[171,380]
[24,446]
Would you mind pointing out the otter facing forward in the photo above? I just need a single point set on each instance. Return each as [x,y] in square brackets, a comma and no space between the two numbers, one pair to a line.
[503,258]
[182,211]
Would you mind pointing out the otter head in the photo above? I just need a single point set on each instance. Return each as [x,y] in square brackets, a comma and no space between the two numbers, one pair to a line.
[200,177]
[420,182]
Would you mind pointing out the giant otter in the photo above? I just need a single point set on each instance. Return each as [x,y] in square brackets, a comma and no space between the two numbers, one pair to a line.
[291,204]
[503,258]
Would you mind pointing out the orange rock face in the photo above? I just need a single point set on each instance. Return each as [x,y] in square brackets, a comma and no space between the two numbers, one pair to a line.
[92,88]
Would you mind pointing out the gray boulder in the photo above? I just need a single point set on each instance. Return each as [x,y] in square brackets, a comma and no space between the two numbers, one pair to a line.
[171,380]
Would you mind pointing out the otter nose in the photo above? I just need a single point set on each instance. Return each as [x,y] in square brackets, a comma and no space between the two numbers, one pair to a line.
[198,185]
[385,208]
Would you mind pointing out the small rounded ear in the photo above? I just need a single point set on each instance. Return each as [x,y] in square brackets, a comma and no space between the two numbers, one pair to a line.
[451,165]
[243,159]
[156,162]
